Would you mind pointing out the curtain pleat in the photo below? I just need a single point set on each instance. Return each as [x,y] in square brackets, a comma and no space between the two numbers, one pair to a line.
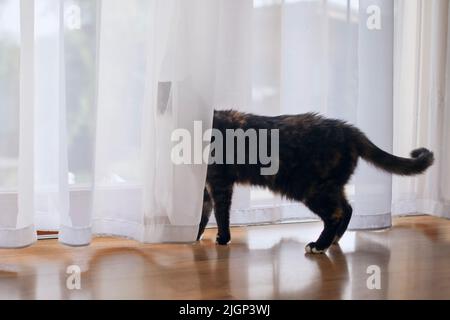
[422,111]
[17,229]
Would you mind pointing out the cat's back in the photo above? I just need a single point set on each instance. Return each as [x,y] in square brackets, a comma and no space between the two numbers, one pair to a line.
[306,122]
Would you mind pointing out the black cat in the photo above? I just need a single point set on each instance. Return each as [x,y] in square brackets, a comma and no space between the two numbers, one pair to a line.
[317,157]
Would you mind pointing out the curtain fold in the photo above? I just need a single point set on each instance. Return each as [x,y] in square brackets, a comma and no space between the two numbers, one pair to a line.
[17,221]
[422,109]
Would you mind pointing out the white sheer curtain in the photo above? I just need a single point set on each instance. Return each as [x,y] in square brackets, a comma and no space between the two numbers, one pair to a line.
[422,105]
[90,92]
[324,56]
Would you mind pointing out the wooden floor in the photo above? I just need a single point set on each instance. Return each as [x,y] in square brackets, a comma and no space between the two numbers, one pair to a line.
[266,262]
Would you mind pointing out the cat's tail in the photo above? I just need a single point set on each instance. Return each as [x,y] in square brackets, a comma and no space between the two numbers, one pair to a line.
[420,159]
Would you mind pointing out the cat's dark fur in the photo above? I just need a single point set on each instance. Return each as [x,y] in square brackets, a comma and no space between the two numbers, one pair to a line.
[317,157]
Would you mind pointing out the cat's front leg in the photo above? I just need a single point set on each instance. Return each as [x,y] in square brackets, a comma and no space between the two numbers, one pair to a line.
[221,195]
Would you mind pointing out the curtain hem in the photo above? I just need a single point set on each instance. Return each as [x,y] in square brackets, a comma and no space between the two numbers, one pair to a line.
[279,213]
[75,236]
[82,236]
[370,222]
[145,233]
[422,206]
[17,238]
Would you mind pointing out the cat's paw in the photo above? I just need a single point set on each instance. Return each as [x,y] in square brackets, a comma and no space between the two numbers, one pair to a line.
[223,241]
[312,248]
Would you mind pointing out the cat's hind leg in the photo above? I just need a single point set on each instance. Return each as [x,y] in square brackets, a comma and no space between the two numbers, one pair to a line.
[327,204]
[206,213]
[221,195]
[345,220]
